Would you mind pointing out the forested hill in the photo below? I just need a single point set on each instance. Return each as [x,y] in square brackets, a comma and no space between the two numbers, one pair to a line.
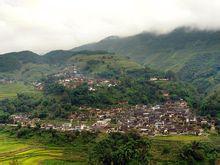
[193,54]
[28,66]
[149,47]
[15,60]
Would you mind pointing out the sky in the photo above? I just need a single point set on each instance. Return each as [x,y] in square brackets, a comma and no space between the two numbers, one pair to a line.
[45,25]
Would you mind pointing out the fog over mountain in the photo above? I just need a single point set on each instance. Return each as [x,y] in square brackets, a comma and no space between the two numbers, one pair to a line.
[41,26]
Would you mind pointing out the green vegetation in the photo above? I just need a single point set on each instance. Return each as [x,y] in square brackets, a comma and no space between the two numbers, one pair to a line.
[198,152]
[59,102]
[105,65]
[190,58]
[31,145]
[133,91]
[11,90]
[192,54]
[13,61]
[27,66]
[187,53]
[182,138]
[170,150]
[121,149]
[179,90]
[52,147]
[211,105]
[19,151]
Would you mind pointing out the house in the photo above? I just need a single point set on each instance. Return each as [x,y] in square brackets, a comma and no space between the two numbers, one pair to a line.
[153,79]
[104,122]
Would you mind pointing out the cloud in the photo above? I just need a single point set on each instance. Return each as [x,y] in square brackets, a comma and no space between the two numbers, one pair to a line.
[43,25]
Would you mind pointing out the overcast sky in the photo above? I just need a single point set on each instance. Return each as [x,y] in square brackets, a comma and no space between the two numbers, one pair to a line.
[44,25]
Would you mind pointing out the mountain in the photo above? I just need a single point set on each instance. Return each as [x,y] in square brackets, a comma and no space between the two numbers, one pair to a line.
[193,54]
[28,66]
[15,60]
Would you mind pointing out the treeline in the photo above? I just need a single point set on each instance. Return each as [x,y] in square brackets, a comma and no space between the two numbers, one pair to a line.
[211,105]
[51,136]
[40,107]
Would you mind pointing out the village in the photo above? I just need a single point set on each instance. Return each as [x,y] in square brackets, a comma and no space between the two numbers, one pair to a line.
[70,78]
[170,118]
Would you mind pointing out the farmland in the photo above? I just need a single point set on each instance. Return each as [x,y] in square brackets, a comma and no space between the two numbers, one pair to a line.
[14,151]
[41,150]
[165,149]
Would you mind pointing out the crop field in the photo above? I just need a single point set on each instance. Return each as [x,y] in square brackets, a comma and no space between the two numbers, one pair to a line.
[182,138]
[13,151]
[165,149]
[11,90]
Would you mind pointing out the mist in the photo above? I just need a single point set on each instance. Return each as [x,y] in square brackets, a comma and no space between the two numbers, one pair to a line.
[44,25]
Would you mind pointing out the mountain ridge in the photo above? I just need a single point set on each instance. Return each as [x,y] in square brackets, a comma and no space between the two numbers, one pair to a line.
[181,51]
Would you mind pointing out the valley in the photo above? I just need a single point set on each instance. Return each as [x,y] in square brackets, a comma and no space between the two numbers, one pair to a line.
[95,102]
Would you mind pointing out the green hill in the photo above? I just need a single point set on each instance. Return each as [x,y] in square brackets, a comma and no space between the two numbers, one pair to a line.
[15,60]
[193,54]
[103,64]
[28,66]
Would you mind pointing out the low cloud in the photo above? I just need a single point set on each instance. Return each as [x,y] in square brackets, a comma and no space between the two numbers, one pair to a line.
[43,25]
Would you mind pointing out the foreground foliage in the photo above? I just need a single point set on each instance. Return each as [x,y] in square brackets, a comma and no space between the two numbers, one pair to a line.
[121,149]
[198,152]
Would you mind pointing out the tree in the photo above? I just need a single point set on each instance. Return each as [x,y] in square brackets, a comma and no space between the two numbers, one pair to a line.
[54,88]
[198,152]
[120,149]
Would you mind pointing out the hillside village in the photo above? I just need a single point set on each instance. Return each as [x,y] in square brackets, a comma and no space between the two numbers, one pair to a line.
[70,77]
[165,119]
[171,117]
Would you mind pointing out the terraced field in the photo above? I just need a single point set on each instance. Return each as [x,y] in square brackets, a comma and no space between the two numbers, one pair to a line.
[13,151]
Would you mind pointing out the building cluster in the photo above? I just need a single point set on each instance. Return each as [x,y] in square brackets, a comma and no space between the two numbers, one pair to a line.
[158,79]
[6,81]
[166,119]
[73,82]
[172,117]
[71,78]
[24,120]
[38,86]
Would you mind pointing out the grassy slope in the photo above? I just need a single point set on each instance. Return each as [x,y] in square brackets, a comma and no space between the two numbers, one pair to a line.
[11,90]
[103,63]
[30,72]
